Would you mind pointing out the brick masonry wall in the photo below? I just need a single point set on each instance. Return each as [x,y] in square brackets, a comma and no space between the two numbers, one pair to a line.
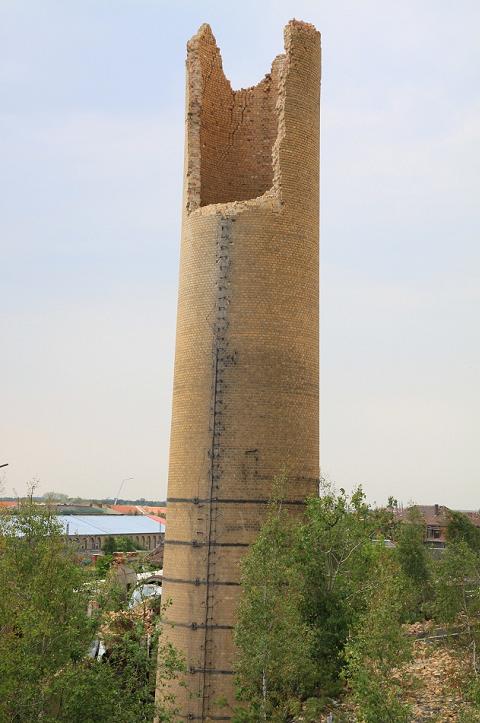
[246,385]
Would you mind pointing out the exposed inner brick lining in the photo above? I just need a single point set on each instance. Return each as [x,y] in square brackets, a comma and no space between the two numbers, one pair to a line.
[232,132]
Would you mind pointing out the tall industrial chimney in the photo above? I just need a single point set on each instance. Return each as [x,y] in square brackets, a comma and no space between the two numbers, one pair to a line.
[246,384]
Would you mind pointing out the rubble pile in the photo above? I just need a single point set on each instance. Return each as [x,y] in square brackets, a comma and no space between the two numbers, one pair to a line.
[436,680]
[438,676]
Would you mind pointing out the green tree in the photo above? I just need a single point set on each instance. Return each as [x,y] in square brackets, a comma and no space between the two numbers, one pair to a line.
[125,544]
[55,497]
[457,603]
[110,545]
[305,584]
[457,584]
[461,529]
[337,555]
[411,551]
[323,604]
[46,631]
[122,686]
[103,565]
[415,564]
[42,611]
[274,663]
[377,649]
[386,518]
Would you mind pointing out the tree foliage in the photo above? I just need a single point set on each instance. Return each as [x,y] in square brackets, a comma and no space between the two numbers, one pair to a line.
[415,564]
[325,599]
[42,611]
[118,544]
[336,556]
[110,545]
[55,496]
[47,625]
[378,648]
[275,644]
[307,583]
[461,529]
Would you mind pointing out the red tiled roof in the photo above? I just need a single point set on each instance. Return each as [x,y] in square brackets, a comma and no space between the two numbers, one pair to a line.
[474,516]
[139,509]
[432,514]
[124,509]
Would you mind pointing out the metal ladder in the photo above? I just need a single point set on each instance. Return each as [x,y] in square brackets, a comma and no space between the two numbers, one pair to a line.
[221,360]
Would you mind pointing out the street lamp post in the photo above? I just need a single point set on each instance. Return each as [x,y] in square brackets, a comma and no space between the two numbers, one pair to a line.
[120,489]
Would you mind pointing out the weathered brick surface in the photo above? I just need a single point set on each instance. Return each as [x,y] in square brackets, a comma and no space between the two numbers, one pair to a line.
[246,386]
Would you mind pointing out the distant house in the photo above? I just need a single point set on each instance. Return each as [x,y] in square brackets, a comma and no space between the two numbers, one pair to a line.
[91,531]
[436,518]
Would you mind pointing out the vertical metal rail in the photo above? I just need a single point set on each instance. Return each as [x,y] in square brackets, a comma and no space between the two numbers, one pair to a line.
[220,361]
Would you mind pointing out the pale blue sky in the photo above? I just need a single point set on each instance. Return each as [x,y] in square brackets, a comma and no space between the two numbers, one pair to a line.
[91,152]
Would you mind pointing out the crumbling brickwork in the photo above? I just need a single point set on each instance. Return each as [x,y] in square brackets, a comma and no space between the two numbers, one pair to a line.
[246,385]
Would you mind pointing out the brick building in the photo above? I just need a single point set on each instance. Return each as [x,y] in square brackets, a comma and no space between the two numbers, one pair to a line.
[246,384]
[436,519]
[89,532]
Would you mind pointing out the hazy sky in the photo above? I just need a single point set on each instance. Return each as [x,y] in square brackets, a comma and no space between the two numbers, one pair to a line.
[91,153]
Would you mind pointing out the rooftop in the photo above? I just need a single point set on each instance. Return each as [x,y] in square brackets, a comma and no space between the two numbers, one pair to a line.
[110,525]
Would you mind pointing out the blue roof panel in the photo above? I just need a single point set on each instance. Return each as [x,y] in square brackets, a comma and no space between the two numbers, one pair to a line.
[109,525]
